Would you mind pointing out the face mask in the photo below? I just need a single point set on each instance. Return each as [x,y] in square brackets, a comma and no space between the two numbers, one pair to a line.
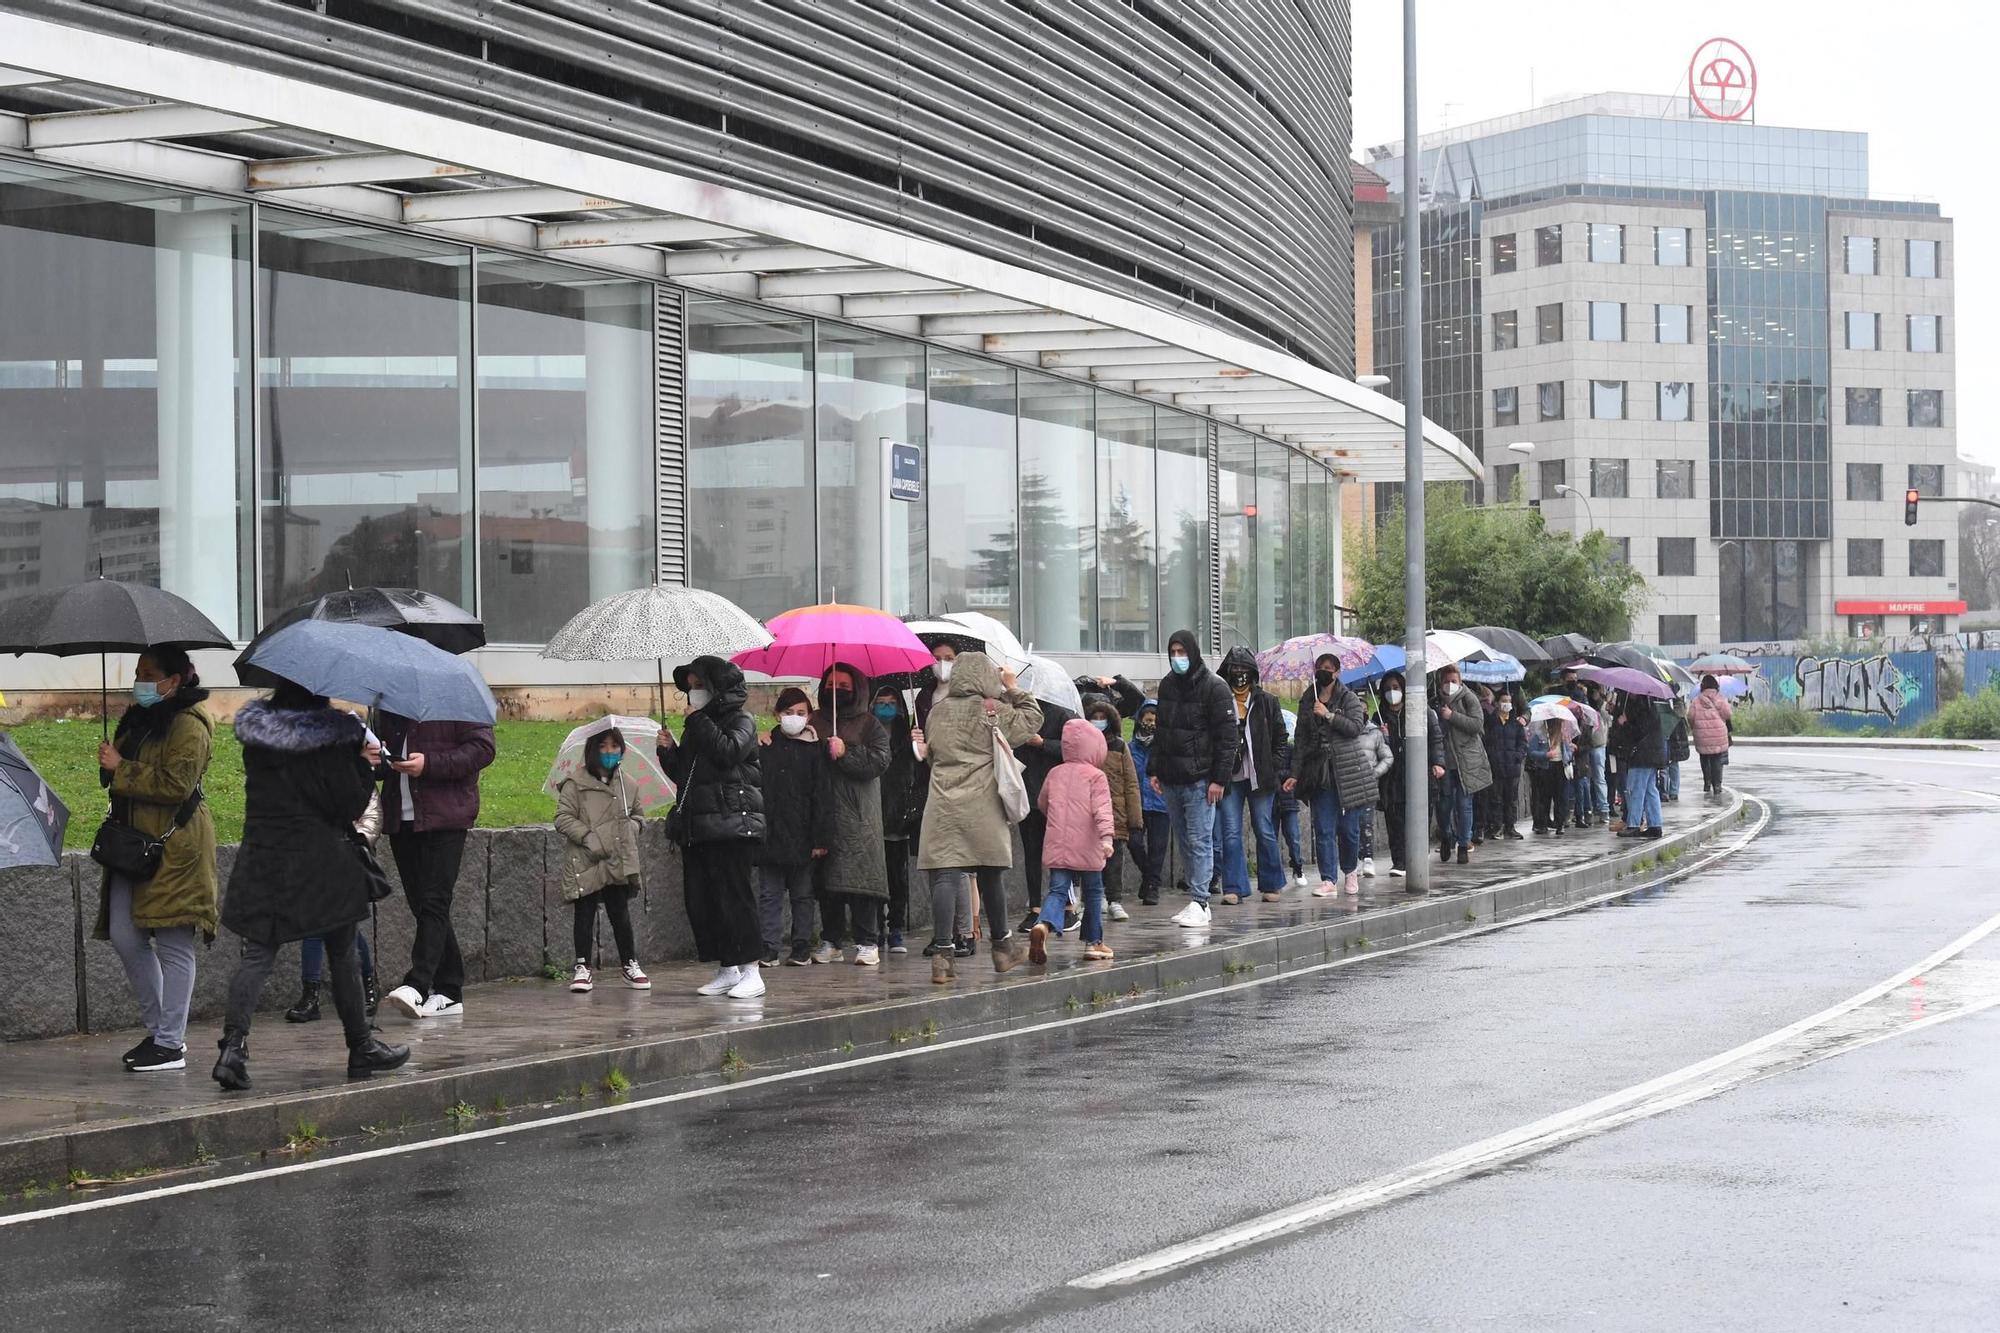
[609,759]
[1143,730]
[700,699]
[1101,724]
[887,712]
[1324,679]
[1394,697]
[1239,682]
[943,669]
[1179,664]
[145,693]
[793,723]
[842,700]
[1505,707]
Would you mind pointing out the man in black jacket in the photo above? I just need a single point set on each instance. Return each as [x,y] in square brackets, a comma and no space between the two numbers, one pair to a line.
[1192,759]
[1264,757]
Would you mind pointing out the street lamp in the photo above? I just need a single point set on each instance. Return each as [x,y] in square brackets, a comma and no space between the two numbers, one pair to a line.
[1572,493]
[1372,381]
[1526,450]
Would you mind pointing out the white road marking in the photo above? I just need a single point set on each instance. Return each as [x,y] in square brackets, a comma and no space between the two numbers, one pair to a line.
[1754,1060]
[864,1061]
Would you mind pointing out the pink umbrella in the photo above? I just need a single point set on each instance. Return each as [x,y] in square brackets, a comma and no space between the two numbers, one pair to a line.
[1292,661]
[806,641]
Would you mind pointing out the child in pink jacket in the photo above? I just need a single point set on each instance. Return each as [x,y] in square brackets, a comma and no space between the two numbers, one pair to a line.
[1076,800]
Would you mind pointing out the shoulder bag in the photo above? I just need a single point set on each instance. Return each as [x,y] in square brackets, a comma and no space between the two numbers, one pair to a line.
[126,851]
[1010,776]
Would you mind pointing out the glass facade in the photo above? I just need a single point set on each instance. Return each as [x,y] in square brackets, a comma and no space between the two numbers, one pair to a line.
[1127,586]
[1676,400]
[1673,479]
[1864,407]
[1058,515]
[1183,521]
[971,485]
[870,389]
[1453,319]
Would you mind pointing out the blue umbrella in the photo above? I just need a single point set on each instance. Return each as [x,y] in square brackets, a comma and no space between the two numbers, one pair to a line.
[365,664]
[1388,657]
[32,816]
[1501,670]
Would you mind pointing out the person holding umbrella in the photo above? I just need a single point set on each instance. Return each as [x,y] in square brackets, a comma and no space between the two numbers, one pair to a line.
[1642,749]
[1335,773]
[853,877]
[152,768]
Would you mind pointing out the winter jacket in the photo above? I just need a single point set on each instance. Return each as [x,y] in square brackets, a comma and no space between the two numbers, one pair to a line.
[963,822]
[715,766]
[855,863]
[798,794]
[1536,752]
[1196,737]
[1677,737]
[1077,801]
[1465,740]
[305,782]
[902,798]
[1142,761]
[1392,728]
[446,793]
[1709,716]
[1128,810]
[1375,744]
[1039,761]
[1287,802]
[1260,726]
[599,819]
[165,752]
[1510,745]
[1126,697]
[1636,740]
[1331,755]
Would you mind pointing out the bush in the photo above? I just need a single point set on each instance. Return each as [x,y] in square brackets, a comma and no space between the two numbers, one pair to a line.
[1779,719]
[1970,717]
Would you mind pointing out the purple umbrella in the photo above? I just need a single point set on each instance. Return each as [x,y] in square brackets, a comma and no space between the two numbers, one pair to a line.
[1628,680]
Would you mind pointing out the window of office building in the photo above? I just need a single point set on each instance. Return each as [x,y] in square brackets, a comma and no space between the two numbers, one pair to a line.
[1608,478]
[1670,323]
[1926,407]
[1549,474]
[871,388]
[1927,479]
[1607,243]
[1506,477]
[1607,322]
[1058,515]
[1549,323]
[1126,539]
[1864,627]
[1864,556]
[1182,524]
[971,487]
[1676,400]
[565,443]
[1864,481]
[1274,533]
[1674,479]
[1921,258]
[1861,256]
[1549,400]
[1236,536]
[1677,631]
[1927,559]
[751,531]
[1670,247]
[1925,333]
[365,419]
[1862,327]
[1864,407]
[1676,557]
[1503,253]
[123,413]
[1506,330]
[1621,550]
[1549,244]
[1507,407]
[1607,400]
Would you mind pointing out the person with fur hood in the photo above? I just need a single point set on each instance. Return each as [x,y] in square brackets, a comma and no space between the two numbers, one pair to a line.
[1076,800]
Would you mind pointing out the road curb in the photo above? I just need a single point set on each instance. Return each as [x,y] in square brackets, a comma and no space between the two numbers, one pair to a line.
[1851,743]
[244,1130]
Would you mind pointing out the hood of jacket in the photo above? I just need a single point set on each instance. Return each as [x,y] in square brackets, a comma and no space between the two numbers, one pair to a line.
[975,677]
[864,690]
[297,730]
[138,725]
[725,681]
[1186,641]
[1240,658]
[1083,743]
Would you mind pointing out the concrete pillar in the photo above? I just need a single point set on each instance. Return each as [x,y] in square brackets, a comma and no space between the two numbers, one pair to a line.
[618,440]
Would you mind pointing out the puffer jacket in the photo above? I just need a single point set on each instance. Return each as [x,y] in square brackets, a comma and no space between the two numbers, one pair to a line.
[1465,740]
[1709,717]
[715,766]
[1128,810]
[1260,727]
[963,822]
[856,863]
[1076,798]
[600,821]
[1380,757]
[798,792]
[1391,726]
[1510,745]
[1196,737]
[1330,754]
[1677,738]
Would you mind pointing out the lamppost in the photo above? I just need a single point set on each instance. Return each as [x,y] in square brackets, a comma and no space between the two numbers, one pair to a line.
[1416,742]
[1526,450]
[1572,493]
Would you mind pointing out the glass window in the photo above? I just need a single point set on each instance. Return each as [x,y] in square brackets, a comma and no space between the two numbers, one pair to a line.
[1549,244]
[972,487]
[1679,631]
[365,418]
[1549,399]
[1607,322]
[123,420]
[1551,473]
[1621,550]
[1125,538]
[1549,323]
[1607,243]
[1861,256]
[1676,400]
[1676,558]
[1864,481]
[1927,559]
[1506,477]
[1864,627]
[1921,258]
[1507,407]
[1271,533]
[1861,330]
[1503,253]
[871,388]
[1925,333]
[1236,536]
[1058,515]
[1506,330]
[1670,247]
[1864,407]
[1608,478]
[566,479]
[1864,556]
[1674,479]
[1926,407]
[1670,323]
[1927,479]
[1183,522]
[1607,400]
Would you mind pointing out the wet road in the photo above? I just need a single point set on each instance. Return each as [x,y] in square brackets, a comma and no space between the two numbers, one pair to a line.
[971,1186]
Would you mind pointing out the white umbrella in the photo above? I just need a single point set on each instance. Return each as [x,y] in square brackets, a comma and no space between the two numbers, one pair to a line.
[1542,713]
[1443,647]
[1001,645]
[1047,681]
[660,622]
[641,736]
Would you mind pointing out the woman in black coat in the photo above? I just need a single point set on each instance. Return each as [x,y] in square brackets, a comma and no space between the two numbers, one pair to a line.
[904,787]
[300,870]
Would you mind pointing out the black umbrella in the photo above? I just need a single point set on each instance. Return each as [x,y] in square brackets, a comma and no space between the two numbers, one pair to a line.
[104,616]
[32,816]
[1513,643]
[1568,647]
[1623,655]
[412,611]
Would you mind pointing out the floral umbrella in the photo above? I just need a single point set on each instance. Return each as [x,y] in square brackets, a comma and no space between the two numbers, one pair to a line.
[1291,662]
[641,733]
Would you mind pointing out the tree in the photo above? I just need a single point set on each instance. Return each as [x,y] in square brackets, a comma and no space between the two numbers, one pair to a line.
[1498,565]
[1978,556]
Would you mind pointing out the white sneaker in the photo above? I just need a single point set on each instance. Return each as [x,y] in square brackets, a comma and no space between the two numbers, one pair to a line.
[867,955]
[1397,872]
[407,999]
[1368,866]
[1117,912]
[636,978]
[826,953]
[1303,881]
[579,979]
[1194,916]
[750,986]
[439,1006]
[724,980]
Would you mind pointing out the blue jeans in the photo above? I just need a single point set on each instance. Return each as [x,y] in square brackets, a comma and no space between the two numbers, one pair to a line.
[1193,823]
[1642,798]
[312,957]
[1336,834]
[1456,814]
[1673,775]
[1232,865]
[1582,787]
[1093,902]
[1601,792]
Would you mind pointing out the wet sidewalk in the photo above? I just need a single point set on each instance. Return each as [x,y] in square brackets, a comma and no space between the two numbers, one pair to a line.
[67,1106]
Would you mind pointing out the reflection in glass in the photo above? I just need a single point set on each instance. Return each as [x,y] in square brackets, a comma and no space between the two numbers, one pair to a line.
[1676,558]
[1927,479]
[1549,399]
[1607,321]
[1677,630]
[973,546]
[1551,473]
[1506,332]
[1507,407]
[365,417]
[1670,247]
[1058,515]
[1549,244]
[1921,258]
[1676,400]
[1183,521]
[1549,323]
[1861,256]
[1236,537]
[1923,333]
[1125,517]
[1926,407]
[1272,535]
[1608,478]
[1607,243]
[1864,481]
[1670,323]
[750,468]
[1861,330]
[1503,253]
[1864,556]
[1864,407]
[1607,400]
[1675,479]
[1927,559]
[870,387]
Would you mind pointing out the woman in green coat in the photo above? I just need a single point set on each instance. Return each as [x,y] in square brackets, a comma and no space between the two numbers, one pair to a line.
[152,768]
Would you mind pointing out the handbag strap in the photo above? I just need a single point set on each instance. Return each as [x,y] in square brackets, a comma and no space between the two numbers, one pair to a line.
[185,812]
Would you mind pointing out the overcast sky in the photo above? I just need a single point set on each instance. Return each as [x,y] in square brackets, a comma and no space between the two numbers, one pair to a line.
[1917,77]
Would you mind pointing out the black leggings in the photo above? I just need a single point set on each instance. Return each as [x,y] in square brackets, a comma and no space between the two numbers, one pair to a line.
[617,899]
[1711,771]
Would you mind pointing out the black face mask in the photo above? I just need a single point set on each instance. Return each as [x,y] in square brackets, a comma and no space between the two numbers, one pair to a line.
[1239,680]
[843,700]
[1324,679]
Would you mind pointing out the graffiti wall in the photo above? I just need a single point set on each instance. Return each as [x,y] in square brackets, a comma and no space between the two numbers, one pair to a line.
[1853,690]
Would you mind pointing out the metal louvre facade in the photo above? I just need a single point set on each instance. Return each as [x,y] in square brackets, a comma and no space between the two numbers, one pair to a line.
[1186,153]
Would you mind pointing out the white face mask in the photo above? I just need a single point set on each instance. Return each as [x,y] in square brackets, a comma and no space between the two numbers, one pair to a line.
[1394,697]
[700,699]
[943,668]
[793,723]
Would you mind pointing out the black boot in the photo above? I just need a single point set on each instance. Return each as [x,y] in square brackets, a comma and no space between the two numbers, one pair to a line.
[232,1068]
[307,1009]
[374,1056]
[371,993]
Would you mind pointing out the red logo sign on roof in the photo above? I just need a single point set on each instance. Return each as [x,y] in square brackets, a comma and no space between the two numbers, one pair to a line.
[1722,79]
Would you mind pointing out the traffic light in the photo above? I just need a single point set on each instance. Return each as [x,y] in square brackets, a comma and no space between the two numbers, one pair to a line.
[1910,507]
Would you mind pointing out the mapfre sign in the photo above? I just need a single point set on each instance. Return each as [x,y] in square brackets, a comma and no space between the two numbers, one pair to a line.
[1722,79]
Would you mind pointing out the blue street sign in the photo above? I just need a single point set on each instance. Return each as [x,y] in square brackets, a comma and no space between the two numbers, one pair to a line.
[906,477]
